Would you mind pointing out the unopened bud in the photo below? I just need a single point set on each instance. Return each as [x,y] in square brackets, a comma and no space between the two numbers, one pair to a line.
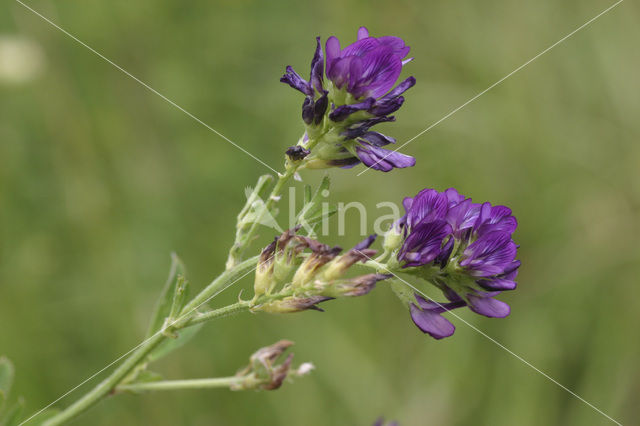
[264,283]
[263,372]
[293,304]
[358,286]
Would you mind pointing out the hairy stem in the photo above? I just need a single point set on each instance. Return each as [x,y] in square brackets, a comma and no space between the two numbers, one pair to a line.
[218,382]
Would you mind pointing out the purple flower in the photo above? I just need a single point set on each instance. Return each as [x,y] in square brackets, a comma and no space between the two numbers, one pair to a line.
[367,68]
[359,94]
[464,248]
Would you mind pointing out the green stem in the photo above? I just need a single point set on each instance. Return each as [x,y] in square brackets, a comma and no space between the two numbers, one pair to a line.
[238,307]
[218,382]
[139,355]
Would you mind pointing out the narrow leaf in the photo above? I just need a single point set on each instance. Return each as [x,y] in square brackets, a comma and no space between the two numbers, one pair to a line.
[165,301]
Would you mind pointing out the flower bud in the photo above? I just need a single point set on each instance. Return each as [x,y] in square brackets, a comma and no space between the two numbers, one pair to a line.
[263,372]
[358,286]
[293,304]
[264,283]
[360,253]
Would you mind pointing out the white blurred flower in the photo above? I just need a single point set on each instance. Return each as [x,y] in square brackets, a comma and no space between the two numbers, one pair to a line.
[21,60]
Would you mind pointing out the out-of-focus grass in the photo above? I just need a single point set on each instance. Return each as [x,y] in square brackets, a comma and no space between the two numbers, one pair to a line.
[100,180]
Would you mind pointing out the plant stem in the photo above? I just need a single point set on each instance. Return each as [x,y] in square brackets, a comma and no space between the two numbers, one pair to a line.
[139,355]
[218,382]
[238,307]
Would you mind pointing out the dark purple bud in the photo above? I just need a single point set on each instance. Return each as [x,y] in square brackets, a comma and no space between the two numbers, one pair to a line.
[307,110]
[386,107]
[345,163]
[320,108]
[342,112]
[378,139]
[316,67]
[297,153]
[363,127]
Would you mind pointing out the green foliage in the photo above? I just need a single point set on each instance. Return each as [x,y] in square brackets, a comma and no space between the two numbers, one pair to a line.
[170,296]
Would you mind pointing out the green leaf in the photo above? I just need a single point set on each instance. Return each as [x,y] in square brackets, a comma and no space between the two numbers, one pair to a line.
[170,345]
[14,414]
[6,378]
[165,301]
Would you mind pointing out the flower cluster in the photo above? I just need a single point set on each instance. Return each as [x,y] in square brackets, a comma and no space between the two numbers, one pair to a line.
[295,273]
[358,94]
[462,247]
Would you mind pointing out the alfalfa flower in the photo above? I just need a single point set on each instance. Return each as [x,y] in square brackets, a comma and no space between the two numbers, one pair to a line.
[464,248]
[357,94]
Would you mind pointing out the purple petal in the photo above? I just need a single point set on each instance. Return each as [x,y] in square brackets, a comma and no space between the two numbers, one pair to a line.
[454,197]
[383,159]
[294,80]
[495,218]
[488,306]
[497,284]
[431,323]
[339,71]
[380,70]
[332,49]
[424,243]
[400,89]
[491,254]
[363,33]
[463,215]
[427,206]
[438,308]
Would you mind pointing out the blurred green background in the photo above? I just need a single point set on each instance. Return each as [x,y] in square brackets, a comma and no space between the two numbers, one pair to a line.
[100,180]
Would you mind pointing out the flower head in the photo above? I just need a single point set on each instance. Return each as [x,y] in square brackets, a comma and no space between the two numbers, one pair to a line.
[464,248]
[357,94]
[296,273]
